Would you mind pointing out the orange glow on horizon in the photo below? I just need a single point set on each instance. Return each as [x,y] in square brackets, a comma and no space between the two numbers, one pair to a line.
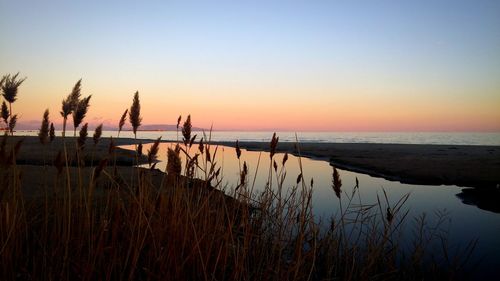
[263,112]
[370,107]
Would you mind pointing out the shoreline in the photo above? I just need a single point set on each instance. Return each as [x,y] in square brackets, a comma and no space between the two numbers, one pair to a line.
[426,164]
[32,152]
[461,165]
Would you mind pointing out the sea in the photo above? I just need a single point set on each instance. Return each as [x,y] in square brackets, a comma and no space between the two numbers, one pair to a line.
[446,138]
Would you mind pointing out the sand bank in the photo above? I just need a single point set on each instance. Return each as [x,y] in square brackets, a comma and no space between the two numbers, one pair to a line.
[462,165]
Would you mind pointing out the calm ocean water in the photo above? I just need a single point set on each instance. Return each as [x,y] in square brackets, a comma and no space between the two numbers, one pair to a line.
[469,138]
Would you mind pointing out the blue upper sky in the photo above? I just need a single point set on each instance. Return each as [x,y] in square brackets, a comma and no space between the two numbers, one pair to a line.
[440,51]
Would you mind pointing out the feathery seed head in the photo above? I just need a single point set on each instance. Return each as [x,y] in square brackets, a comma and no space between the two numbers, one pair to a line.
[123,119]
[153,151]
[97,134]
[74,96]
[299,178]
[135,113]
[285,158]
[174,163]
[274,143]
[192,140]
[43,134]
[244,173]
[238,150]
[70,103]
[80,111]
[83,136]
[186,130]
[5,113]
[201,147]
[111,146]
[10,85]
[179,121]
[336,182]
[12,123]
[52,132]
[139,149]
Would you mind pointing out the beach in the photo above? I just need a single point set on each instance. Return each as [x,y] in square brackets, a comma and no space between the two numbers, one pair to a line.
[461,165]
[32,152]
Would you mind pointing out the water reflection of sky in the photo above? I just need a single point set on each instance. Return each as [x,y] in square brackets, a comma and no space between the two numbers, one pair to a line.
[467,222]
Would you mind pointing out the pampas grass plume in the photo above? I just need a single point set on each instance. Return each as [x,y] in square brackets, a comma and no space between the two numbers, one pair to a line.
[80,111]
[238,150]
[97,134]
[5,113]
[83,136]
[186,130]
[174,163]
[123,119]
[135,113]
[52,132]
[153,151]
[10,87]
[336,182]
[43,134]
[12,123]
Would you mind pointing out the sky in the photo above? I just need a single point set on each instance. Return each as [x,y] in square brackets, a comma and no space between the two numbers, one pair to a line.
[261,65]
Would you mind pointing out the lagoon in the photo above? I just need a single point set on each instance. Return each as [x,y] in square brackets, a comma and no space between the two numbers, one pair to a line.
[463,223]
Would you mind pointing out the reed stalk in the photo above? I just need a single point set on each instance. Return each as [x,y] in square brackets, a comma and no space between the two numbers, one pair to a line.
[99,225]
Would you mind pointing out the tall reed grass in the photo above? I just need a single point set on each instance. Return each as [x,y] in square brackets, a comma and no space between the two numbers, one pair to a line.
[98,223]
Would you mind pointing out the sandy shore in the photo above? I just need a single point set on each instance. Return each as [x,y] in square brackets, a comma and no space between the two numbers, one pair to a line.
[38,179]
[470,166]
[462,165]
[33,153]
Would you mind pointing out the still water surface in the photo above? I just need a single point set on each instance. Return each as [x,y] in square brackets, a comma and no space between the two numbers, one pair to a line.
[464,222]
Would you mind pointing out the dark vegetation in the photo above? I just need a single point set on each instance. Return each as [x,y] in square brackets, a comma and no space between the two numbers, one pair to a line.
[96,220]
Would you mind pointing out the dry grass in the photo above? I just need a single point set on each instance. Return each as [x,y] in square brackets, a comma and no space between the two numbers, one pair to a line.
[122,121]
[43,135]
[70,103]
[79,112]
[173,226]
[104,223]
[135,113]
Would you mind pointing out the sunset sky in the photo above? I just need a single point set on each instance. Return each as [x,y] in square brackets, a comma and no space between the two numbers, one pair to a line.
[252,65]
